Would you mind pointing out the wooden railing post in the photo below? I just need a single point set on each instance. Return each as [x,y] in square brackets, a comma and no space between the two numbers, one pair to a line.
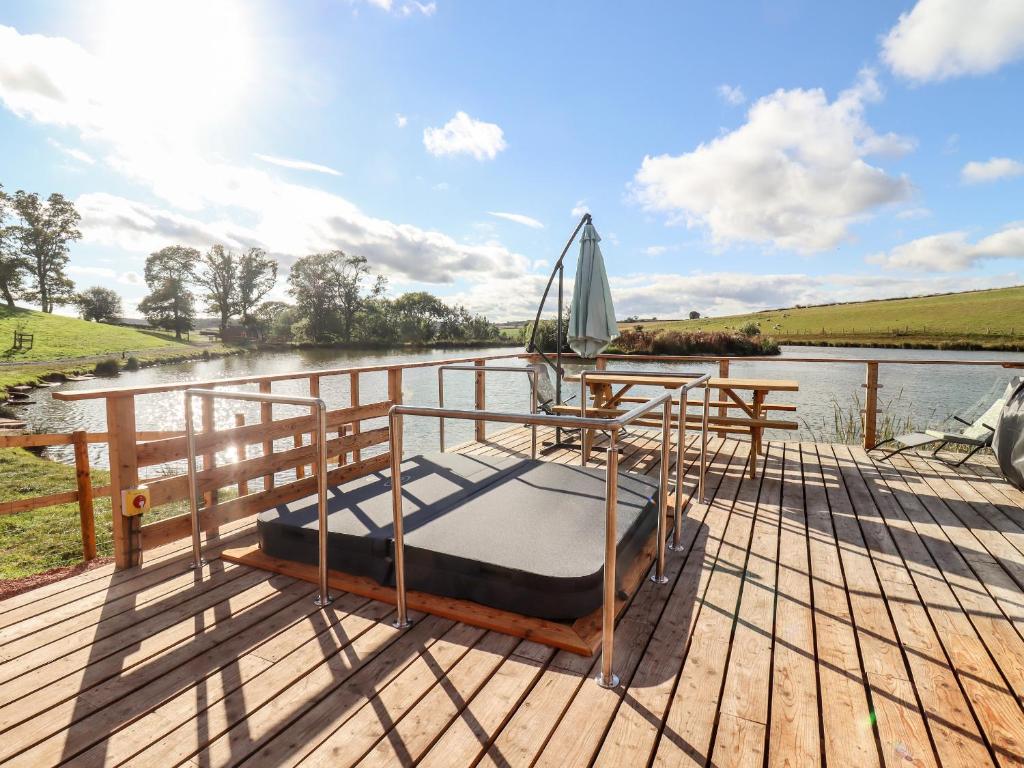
[723,410]
[353,399]
[267,416]
[395,385]
[871,386]
[243,485]
[124,474]
[85,507]
[480,401]
[602,363]
[209,459]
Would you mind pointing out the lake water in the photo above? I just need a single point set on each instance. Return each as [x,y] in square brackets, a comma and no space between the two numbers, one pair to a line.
[922,395]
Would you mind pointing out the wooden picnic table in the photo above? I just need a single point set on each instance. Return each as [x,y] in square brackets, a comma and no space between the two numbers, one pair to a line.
[607,399]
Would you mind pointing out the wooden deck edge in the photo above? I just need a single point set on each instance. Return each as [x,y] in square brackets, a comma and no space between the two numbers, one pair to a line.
[582,637]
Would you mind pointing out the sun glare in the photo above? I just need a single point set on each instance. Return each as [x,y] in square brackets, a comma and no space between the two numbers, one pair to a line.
[187,63]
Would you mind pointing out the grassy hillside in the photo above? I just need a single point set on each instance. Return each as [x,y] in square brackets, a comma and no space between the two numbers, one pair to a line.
[991,319]
[58,337]
[66,344]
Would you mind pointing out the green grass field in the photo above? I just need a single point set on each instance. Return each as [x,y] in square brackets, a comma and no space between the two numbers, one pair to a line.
[64,344]
[57,337]
[32,542]
[991,319]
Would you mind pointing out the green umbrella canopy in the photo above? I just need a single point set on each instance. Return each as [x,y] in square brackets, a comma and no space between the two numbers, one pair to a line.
[591,315]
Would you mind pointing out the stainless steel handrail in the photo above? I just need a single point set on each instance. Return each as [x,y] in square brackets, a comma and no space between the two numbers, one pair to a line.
[531,373]
[692,381]
[315,404]
[607,677]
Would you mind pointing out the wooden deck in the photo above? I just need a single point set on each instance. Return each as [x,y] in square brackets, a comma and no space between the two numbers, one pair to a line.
[832,612]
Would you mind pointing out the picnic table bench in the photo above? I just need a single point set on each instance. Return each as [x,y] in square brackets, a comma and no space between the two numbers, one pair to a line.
[609,392]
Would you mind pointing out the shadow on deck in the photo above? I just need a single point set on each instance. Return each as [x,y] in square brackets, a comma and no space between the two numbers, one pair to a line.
[833,609]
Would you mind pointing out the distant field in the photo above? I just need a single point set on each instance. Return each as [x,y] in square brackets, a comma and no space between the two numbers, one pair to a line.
[978,319]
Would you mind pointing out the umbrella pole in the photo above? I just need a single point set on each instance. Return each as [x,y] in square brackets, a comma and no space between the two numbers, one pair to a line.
[558,349]
[531,347]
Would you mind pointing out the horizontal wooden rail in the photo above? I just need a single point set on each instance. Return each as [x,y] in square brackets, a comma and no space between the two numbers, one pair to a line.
[50,500]
[691,418]
[116,392]
[175,448]
[46,440]
[178,527]
[170,489]
[714,404]
[785,359]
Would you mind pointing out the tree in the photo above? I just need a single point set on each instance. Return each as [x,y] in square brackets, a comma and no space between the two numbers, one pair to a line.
[12,262]
[99,304]
[329,290]
[420,316]
[46,230]
[694,315]
[170,304]
[218,276]
[257,275]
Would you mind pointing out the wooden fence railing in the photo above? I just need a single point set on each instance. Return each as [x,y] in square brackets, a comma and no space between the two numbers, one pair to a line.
[253,481]
[871,385]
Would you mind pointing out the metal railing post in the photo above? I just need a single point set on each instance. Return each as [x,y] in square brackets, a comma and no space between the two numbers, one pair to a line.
[481,370]
[395,424]
[677,506]
[607,678]
[318,410]
[440,404]
[659,577]
[324,597]
[193,486]
[703,444]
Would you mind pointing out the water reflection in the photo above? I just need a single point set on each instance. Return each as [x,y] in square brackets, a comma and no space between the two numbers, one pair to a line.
[923,395]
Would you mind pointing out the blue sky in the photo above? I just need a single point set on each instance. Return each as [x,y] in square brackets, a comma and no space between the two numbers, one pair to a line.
[734,155]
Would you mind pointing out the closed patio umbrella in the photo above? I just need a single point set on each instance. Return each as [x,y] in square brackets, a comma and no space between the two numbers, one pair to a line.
[591,315]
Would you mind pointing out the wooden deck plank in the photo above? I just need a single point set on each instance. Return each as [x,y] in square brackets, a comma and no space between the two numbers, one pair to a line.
[582,727]
[528,731]
[898,585]
[993,706]
[845,711]
[897,716]
[793,726]
[902,560]
[416,732]
[686,737]
[206,707]
[743,706]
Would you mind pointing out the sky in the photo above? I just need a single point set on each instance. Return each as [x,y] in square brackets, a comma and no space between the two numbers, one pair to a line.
[735,156]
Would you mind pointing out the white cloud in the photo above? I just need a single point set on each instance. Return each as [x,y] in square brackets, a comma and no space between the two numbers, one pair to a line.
[426,9]
[939,39]
[401,120]
[995,168]
[518,218]
[104,274]
[464,135]
[731,94]
[405,9]
[78,154]
[794,175]
[298,165]
[655,250]
[952,252]
[56,82]
[914,213]
[579,209]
